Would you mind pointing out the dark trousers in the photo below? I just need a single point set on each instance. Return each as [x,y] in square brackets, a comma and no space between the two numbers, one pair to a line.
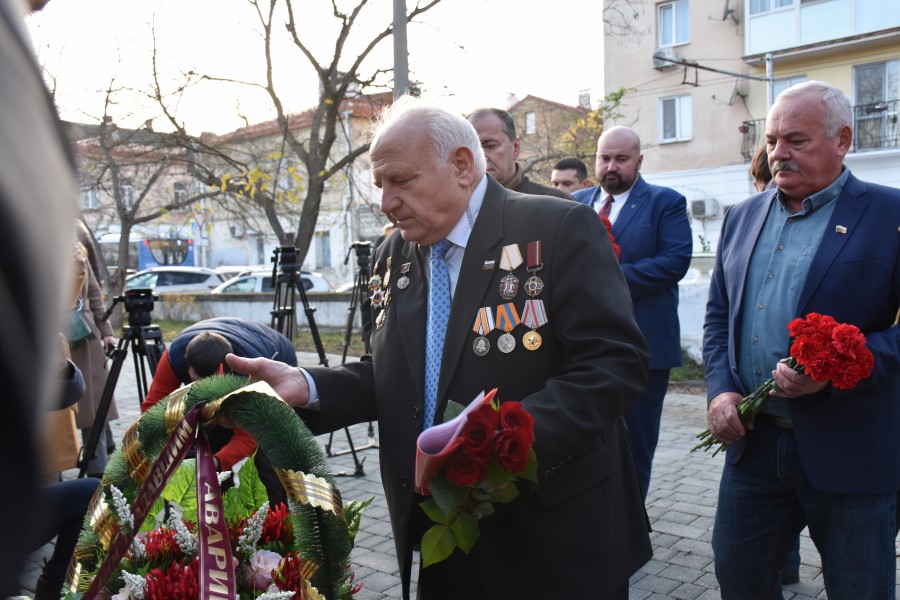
[643,418]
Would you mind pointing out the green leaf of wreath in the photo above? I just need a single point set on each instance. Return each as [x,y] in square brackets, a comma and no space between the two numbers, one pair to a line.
[181,489]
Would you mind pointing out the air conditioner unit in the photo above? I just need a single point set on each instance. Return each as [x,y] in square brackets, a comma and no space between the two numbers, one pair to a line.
[662,58]
[707,208]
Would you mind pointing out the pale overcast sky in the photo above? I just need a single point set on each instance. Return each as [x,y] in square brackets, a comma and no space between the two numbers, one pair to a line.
[480,50]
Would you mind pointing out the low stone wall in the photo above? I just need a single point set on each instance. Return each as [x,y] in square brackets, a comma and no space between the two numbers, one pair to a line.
[329,309]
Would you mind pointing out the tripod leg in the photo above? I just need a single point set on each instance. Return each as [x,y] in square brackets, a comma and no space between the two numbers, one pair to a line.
[97,428]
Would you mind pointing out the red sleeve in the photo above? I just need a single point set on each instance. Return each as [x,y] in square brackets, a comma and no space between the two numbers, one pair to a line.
[241,445]
[165,381]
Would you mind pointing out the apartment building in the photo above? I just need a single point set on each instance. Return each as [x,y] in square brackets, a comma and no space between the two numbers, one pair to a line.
[701,75]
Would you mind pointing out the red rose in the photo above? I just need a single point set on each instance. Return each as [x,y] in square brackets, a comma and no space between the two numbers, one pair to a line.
[465,469]
[513,416]
[478,432]
[511,448]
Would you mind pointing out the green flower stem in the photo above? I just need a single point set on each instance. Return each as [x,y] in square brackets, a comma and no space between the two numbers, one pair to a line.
[748,409]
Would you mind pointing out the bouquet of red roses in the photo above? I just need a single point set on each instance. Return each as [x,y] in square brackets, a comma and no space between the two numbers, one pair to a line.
[823,349]
[467,464]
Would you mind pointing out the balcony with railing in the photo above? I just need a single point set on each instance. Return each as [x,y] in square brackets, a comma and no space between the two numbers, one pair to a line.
[876,126]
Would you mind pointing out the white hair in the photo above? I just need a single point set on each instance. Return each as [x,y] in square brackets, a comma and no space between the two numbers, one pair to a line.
[838,110]
[448,130]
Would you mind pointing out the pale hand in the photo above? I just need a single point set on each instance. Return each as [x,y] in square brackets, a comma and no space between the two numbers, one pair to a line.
[722,418]
[792,384]
[287,381]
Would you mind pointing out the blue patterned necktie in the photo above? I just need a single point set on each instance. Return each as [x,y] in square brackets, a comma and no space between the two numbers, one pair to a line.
[436,326]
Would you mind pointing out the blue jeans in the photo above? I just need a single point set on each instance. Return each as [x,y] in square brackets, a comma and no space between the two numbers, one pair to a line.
[763,502]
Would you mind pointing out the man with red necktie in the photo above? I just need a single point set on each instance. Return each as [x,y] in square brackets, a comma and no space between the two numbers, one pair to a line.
[651,227]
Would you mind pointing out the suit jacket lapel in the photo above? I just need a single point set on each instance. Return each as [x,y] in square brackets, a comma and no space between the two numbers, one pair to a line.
[636,201]
[849,209]
[473,284]
[756,217]
[412,307]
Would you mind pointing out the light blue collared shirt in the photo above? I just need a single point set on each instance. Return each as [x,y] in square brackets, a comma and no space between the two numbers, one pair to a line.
[775,279]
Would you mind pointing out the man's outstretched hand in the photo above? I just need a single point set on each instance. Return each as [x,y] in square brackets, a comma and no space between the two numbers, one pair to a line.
[287,381]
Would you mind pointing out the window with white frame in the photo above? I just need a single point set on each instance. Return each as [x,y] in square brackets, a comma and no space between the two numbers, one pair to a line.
[180,193]
[530,123]
[673,23]
[323,249]
[779,85]
[876,88]
[675,119]
[91,197]
[763,6]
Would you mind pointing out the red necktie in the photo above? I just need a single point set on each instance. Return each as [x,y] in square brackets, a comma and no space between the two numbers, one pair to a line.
[606,206]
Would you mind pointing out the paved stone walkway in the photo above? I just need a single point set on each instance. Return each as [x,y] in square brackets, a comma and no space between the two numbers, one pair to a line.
[681,505]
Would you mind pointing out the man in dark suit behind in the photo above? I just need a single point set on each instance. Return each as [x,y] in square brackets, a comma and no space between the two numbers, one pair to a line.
[581,531]
[651,227]
[825,242]
[37,209]
[497,132]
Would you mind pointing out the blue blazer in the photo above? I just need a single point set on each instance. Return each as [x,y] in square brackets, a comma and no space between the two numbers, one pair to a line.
[654,235]
[848,440]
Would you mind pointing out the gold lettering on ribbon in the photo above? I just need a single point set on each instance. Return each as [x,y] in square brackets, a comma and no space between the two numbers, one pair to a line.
[138,465]
[309,489]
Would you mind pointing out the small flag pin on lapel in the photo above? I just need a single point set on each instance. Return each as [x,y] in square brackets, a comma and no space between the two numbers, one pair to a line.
[840,229]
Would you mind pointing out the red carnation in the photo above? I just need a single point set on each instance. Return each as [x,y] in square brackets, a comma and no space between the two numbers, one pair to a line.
[162,548]
[512,447]
[465,469]
[178,581]
[277,527]
[478,432]
[612,239]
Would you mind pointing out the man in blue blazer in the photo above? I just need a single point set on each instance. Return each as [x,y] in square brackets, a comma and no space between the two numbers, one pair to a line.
[822,242]
[651,227]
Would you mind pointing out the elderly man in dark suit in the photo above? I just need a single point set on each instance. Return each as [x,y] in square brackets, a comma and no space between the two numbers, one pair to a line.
[576,365]
[823,241]
[651,227]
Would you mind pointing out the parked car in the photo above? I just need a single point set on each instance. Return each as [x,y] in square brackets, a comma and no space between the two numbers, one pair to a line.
[175,279]
[261,281]
[229,271]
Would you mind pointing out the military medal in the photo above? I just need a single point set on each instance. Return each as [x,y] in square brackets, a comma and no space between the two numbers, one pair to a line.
[376,298]
[533,315]
[403,282]
[533,285]
[375,282]
[387,274]
[379,321]
[484,323]
[507,319]
[532,340]
[510,259]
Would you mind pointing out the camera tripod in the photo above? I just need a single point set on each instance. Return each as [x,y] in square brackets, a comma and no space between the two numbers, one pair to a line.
[145,341]
[359,298]
[286,275]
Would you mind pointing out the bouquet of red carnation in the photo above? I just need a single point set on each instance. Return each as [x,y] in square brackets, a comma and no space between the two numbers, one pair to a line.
[823,349]
[467,464]
[608,224]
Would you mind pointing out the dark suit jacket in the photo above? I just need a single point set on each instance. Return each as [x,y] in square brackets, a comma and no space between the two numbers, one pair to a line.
[847,440]
[37,212]
[654,235]
[583,528]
